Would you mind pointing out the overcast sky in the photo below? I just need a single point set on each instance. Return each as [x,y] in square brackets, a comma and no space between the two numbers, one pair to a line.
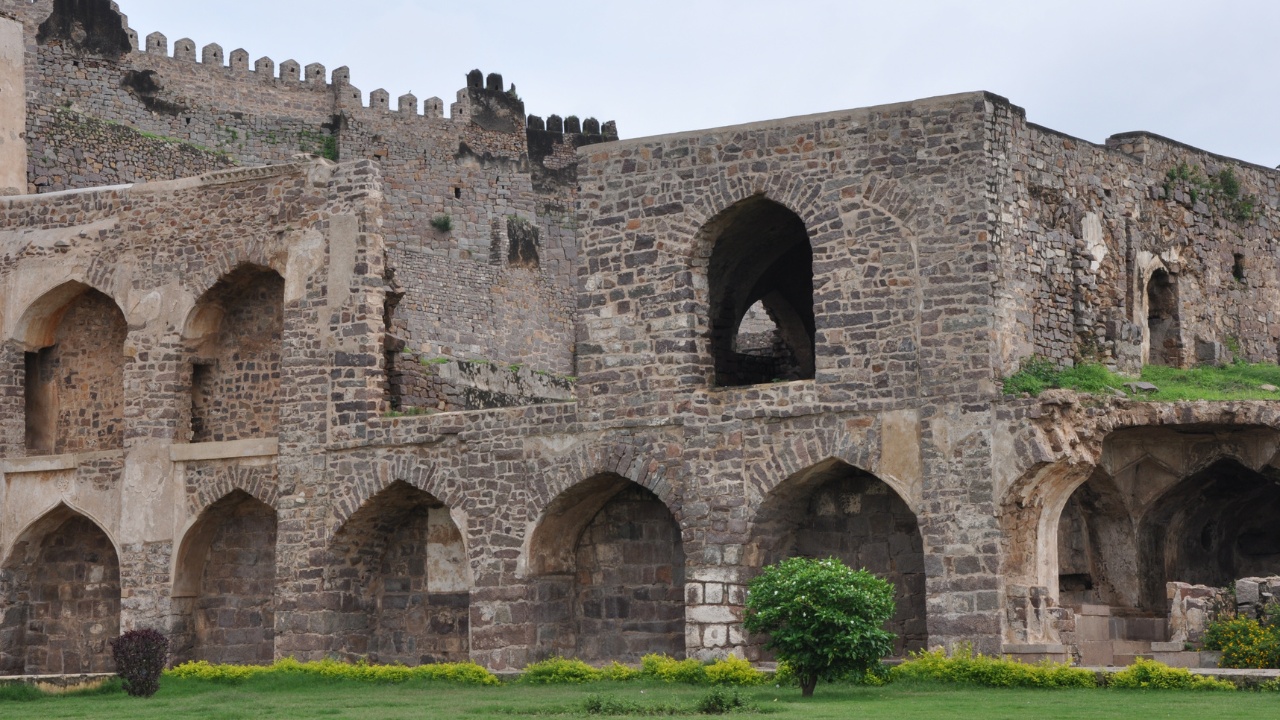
[1204,73]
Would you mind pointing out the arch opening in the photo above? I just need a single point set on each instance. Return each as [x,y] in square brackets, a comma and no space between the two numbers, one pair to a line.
[224,584]
[74,373]
[760,254]
[607,558]
[1213,527]
[1163,326]
[833,509]
[401,576]
[236,336]
[1097,550]
[59,598]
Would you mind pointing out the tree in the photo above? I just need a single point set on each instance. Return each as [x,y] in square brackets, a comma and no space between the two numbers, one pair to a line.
[824,619]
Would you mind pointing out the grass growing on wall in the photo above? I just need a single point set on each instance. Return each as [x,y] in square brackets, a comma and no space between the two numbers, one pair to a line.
[1239,381]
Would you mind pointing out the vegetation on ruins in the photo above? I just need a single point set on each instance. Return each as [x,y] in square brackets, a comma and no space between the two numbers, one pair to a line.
[824,619]
[140,657]
[1224,185]
[1237,381]
[442,222]
[1245,642]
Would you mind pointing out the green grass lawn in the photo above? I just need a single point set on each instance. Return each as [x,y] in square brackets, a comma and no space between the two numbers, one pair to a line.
[1230,382]
[312,698]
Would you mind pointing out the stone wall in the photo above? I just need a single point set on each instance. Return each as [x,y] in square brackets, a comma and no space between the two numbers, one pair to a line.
[13,111]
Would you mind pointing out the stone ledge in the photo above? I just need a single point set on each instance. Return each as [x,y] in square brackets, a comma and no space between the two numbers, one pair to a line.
[55,463]
[256,447]
[57,684]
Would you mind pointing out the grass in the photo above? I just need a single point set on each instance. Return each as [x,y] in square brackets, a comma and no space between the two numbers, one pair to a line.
[1239,381]
[307,697]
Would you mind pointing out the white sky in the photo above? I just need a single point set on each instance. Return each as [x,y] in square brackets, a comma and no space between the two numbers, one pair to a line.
[1204,73]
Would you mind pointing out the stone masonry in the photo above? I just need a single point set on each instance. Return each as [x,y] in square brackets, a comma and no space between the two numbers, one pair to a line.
[288,371]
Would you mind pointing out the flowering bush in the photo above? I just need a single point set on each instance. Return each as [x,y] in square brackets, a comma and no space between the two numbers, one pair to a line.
[1151,675]
[1244,642]
[468,673]
[824,619]
[140,657]
[965,667]
[558,670]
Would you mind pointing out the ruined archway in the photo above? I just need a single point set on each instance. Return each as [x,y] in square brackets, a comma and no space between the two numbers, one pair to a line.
[235,333]
[73,372]
[760,253]
[59,598]
[608,562]
[224,584]
[833,509]
[1213,527]
[1097,550]
[401,580]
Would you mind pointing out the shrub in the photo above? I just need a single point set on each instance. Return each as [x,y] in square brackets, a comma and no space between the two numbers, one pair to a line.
[733,671]
[467,673]
[1270,685]
[1151,675]
[824,619]
[719,702]
[1035,376]
[876,676]
[443,223]
[668,669]
[559,670]
[608,705]
[965,667]
[619,672]
[140,657]
[1244,642]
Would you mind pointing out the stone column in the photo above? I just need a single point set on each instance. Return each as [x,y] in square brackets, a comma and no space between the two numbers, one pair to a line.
[13,109]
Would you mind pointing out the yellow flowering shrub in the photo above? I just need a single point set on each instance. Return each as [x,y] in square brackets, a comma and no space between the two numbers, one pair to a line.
[1152,675]
[1244,643]
[468,673]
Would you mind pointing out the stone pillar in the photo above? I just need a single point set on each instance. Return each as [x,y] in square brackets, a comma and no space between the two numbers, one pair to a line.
[13,109]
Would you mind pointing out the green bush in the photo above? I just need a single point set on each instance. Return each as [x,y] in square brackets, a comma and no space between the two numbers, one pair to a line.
[733,671]
[1035,376]
[668,669]
[719,702]
[876,676]
[558,670]
[443,223]
[965,667]
[1151,675]
[1244,642]
[468,673]
[824,619]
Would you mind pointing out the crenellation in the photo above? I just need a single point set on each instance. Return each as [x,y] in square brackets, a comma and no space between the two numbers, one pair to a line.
[408,104]
[290,71]
[157,44]
[380,100]
[265,68]
[433,107]
[240,60]
[185,49]
[316,74]
[341,76]
[211,54]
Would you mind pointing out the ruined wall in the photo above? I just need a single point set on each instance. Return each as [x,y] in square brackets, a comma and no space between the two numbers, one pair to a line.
[1086,228]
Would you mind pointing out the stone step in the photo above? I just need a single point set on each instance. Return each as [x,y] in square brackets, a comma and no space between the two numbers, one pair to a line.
[1127,660]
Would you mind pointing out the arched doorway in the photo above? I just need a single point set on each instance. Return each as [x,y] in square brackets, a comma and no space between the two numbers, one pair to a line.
[1163,331]
[760,254]
[74,373]
[236,334]
[1097,550]
[60,603]
[608,561]
[833,509]
[224,586]
[400,573]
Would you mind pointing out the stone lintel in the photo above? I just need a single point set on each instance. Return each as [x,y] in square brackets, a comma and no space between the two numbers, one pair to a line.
[256,447]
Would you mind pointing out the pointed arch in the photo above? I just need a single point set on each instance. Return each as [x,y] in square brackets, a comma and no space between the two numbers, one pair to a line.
[59,596]
[834,509]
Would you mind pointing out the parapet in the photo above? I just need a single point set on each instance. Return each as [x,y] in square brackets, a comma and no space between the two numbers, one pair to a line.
[290,70]
[315,74]
[211,54]
[185,49]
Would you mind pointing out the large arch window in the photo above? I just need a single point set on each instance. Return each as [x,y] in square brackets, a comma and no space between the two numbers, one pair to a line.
[762,262]
[74,373]
[236,332]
